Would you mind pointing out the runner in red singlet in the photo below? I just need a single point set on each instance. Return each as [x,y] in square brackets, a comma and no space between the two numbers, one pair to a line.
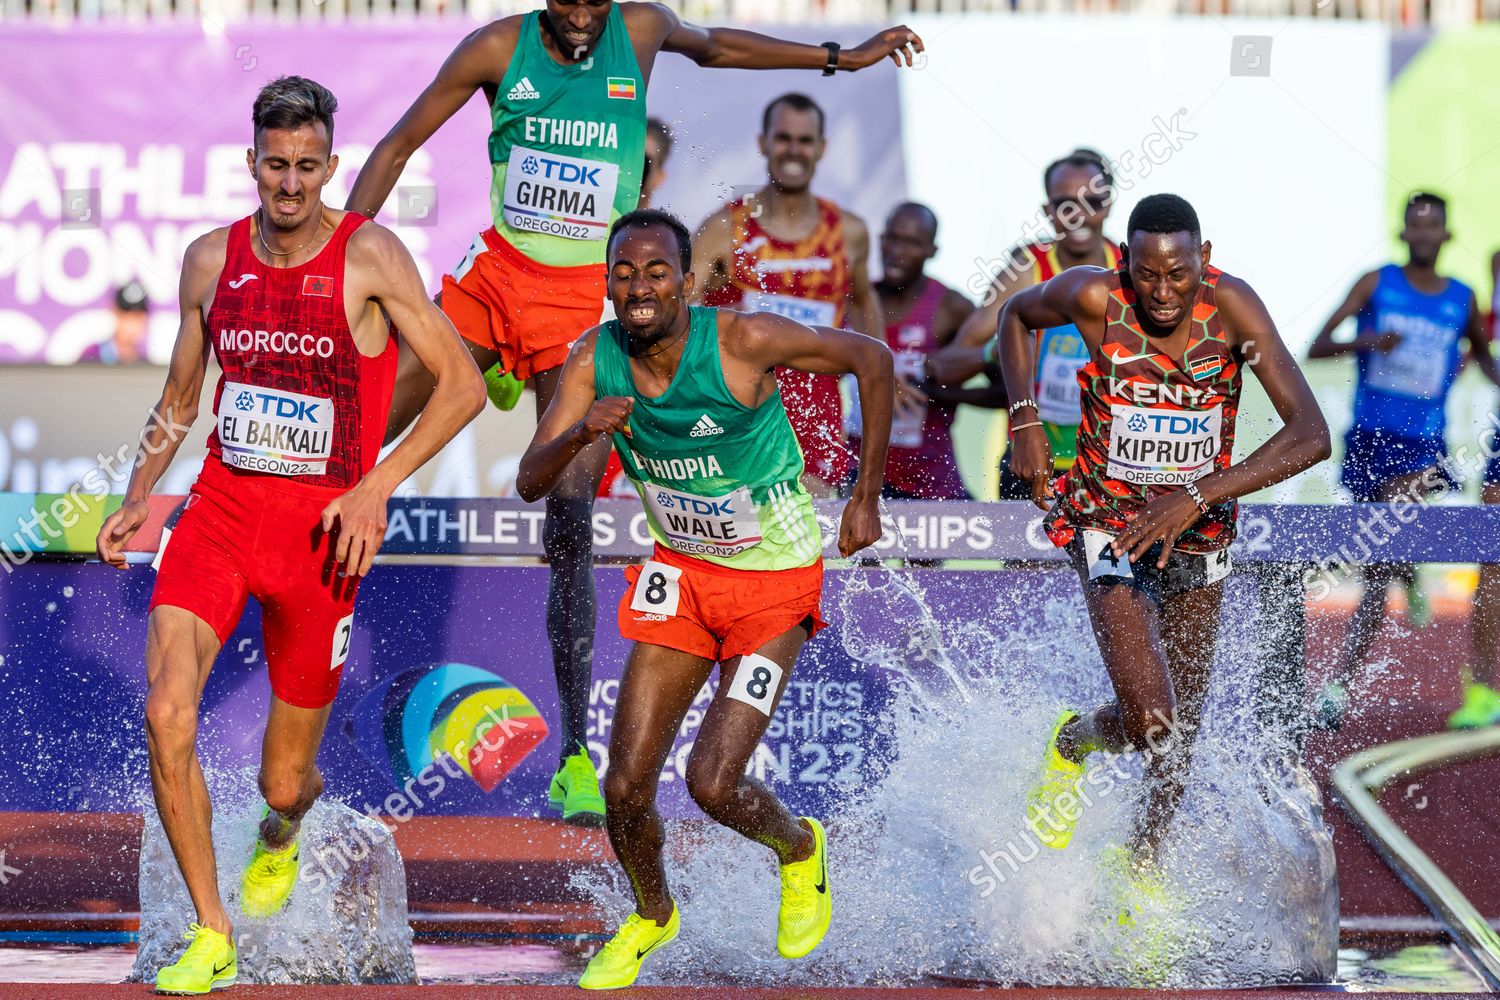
[787,251]
[920,315]
[1147,512]
[298,302]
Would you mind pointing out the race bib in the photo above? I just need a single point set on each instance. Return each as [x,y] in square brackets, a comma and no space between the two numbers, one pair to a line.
[695,526]
[1216,566]
[909,429]
[276,431]
[1152,447]
[1062,355]
[559,195]
[1101,559]
[809,312]
[756,681]
[657,589]
[1417,367]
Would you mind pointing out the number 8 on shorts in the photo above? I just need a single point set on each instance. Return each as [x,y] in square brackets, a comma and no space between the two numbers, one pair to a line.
[657,589]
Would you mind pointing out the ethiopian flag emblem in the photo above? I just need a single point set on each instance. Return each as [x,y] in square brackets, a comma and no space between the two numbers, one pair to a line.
[621,88]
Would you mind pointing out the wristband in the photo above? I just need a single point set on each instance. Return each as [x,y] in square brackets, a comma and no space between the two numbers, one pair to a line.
[1028,401]
[1022,427]
[833,58]
[1196,496]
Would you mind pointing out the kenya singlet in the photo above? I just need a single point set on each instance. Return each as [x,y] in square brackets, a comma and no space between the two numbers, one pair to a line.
[1060,353]
[1150,424]
[297,398]
[720,481]
[810,281]
[567,146]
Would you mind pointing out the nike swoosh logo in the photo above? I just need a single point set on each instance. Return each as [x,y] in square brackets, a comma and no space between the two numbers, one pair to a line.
[822,886]
[220,968]
[242,279]
[1132,357]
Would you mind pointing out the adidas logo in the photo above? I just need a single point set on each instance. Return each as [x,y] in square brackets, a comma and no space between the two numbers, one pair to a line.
[523,91]
[705,427]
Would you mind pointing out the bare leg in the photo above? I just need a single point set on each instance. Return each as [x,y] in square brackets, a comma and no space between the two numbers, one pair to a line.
[289,776]
[568,541]
[716,775]
[414,383]
[658,688]
[1486,620]
[180,651]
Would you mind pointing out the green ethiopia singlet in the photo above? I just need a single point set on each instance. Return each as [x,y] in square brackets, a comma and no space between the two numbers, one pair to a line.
[567,144]
[721,481]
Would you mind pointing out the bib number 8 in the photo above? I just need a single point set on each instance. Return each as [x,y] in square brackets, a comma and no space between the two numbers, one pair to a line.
[756,682]
[657,589]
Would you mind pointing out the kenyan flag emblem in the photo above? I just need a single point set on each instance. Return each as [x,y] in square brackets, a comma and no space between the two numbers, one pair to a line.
[1204,368]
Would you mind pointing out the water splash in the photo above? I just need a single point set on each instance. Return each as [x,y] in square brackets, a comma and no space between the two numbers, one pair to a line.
[935,874]
[344,923]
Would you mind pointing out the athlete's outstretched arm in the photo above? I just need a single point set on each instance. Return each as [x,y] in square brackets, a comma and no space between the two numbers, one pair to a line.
[953,313]
[770,340]
[735,48]
[1479,343]
[575,420]
[1301,443]
[381,269]
[1324,346]
[1075,296]
[480,58]
[178,406]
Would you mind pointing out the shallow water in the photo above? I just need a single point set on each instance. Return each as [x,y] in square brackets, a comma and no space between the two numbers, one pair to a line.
[935,873]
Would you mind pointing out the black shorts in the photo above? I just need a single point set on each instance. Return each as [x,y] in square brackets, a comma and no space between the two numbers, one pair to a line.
[1184,571]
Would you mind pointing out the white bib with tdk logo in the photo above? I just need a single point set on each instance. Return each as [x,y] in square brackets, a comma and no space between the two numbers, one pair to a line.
[559,195]
[1057,389]
[276,431]
[1152,447]
[809,312]
[697,525]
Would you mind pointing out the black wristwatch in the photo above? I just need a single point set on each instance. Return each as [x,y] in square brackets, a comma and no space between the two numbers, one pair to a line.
[833,58]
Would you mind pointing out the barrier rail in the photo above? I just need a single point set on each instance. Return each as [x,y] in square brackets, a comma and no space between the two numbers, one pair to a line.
[1359,782]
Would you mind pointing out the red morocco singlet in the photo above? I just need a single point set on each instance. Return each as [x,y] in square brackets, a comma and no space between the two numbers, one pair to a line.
[1152,424]
[297,398]
[808,280]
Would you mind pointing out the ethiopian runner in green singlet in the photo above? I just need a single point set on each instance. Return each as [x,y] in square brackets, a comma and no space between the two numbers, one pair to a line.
[690,400]
[566,89]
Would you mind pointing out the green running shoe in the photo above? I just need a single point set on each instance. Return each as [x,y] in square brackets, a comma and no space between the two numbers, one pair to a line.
[806,903]
[1481,708]
[1330,706]
[208,964]
[503,388]
[619,961]
[269,879]
[575,791]
[1052,824]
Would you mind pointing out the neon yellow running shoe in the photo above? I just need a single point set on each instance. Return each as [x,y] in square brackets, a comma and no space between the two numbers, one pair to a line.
[619,961]
[1481,708]
[269,878]
[1148,904]
[208,964]
[806,902]
[503,388]
[1052,824]
[575,791]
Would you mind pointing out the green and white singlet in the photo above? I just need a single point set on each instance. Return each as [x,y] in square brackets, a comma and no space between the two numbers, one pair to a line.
[720,481]
[567,146]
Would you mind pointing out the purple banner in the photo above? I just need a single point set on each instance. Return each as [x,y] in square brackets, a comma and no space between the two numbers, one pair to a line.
[123,144]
